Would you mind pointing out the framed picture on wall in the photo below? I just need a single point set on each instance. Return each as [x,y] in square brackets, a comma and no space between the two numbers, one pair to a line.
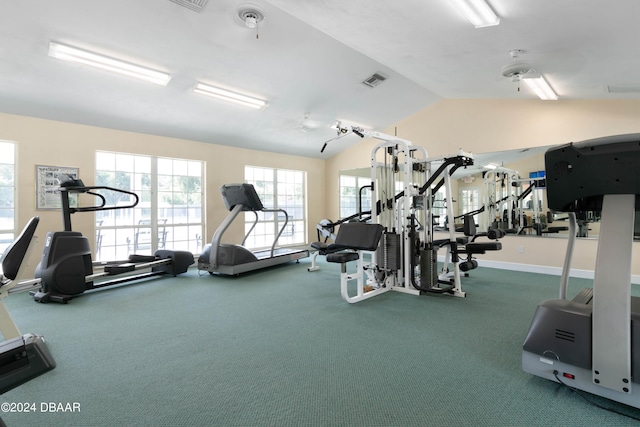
[48,180]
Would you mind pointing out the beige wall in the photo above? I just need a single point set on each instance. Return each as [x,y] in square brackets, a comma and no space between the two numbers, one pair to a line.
[473,125]
[491,125]
[46,142]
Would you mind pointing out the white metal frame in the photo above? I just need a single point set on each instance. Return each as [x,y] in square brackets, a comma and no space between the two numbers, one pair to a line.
[611,320]
[362,279]
[610,375]
[454,274]
[394,214]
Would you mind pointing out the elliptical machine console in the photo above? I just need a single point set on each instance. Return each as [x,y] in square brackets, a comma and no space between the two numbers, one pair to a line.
[66,269]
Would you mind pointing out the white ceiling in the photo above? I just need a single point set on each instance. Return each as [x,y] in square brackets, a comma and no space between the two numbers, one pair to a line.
[310,57]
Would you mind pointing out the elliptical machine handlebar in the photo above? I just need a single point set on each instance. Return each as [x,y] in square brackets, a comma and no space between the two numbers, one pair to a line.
[70,185]
[102,206]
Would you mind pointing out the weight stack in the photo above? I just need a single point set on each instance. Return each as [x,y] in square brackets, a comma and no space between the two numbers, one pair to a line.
[429,268]
[388,253]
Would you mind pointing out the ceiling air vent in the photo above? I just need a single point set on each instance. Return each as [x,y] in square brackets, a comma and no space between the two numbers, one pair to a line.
[196,5]
[374,80]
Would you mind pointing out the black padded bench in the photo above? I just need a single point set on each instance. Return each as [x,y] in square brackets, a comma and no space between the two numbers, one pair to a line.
[473,247]
[353,237]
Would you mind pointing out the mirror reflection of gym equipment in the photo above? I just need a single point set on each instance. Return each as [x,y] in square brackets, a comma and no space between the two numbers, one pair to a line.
[232,259]
[528,162]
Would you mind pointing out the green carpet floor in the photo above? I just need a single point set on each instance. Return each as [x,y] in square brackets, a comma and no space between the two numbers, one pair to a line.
[281,348]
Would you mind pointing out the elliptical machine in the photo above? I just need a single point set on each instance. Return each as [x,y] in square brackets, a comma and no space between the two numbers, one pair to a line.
[66,269]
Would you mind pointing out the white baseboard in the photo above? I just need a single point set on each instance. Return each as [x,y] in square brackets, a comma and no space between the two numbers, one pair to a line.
[543,269]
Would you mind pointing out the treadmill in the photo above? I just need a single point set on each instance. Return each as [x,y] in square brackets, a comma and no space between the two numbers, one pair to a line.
[232,259]
[592,342]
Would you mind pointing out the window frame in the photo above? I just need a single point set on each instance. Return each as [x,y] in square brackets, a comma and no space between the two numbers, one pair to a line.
[8,232]
[144,229]
[268,224]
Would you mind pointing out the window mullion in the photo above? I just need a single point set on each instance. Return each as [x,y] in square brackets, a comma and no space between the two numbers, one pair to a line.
[154,204]
[274,179]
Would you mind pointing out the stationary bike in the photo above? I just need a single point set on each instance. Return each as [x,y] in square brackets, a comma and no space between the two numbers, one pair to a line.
[22,356]
[66,269]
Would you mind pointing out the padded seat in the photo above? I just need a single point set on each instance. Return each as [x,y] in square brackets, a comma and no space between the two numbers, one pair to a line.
[325,248]
[556,229]
[342,257]
[481,247]
[442,242]
[321,246]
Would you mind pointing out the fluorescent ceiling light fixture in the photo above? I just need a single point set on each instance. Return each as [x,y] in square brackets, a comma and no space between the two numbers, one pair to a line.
[478,12]
[230,96]
[541,88]
[72,54]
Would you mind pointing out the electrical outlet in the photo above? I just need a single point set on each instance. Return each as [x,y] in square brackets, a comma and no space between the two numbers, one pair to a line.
[520,249]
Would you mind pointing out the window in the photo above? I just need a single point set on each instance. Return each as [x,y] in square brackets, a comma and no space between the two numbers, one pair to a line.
[350,193]
[440,207]
[7,194]
[278,189]
[469,201]
[169,213]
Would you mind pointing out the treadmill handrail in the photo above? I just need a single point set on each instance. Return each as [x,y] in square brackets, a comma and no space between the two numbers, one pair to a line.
[286,221]
[251,229]
[217,236]
[222,228]
[566,269]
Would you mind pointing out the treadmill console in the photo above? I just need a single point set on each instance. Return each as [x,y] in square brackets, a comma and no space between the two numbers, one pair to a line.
[241,194]
[579,174]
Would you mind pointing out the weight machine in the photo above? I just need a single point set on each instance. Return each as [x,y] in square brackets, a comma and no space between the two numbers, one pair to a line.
[501,192]
[396,250]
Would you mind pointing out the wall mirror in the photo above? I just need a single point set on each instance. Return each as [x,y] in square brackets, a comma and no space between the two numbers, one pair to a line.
[505,188]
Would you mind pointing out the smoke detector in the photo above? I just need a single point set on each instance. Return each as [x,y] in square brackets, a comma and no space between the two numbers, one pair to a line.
[516,69]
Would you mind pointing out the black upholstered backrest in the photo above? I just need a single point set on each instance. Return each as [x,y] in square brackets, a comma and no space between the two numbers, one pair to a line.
[14,254]
[359,236]
[469,226]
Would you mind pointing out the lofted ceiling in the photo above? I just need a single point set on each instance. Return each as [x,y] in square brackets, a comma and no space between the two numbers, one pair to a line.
[308,61]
